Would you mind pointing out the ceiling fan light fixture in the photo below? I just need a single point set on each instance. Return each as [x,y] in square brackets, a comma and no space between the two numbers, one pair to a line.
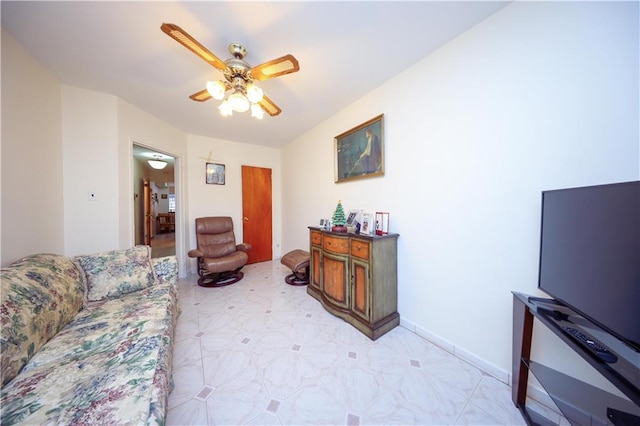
[254,93]
[238,101]
[238,76]
[216,89]
[225,109]
[257,111]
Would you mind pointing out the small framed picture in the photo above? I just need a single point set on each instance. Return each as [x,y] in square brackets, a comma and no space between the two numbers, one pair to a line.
[354,217]
[215,173]
[353,220]
[367,227]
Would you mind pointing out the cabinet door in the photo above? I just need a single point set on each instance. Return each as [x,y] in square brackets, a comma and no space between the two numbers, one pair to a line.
[335,279]
[315,270]
[361,293]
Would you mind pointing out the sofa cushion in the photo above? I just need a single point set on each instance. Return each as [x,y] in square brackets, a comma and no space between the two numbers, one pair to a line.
[40,295]
[114,273]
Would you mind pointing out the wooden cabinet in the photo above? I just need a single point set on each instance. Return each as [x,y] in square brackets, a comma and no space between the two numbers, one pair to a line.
[355,278]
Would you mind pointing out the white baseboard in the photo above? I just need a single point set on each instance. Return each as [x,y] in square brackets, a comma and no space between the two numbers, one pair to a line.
[482,364]
[533,392]
[436,340]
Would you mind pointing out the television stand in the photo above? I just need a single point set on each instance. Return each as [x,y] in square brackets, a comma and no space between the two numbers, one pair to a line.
[579,402]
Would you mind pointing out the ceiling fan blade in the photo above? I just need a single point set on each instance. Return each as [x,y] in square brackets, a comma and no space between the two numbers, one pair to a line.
[269,107]
[275,68]
[182,37]
[201,96]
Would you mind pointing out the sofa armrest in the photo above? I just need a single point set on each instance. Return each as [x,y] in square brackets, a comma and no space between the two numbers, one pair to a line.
[243,247]
[195,253]
[166,269]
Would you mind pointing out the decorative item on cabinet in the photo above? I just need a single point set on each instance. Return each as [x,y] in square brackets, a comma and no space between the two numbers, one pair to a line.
[355,278]
[353,220]
[382,223]
[367,227]
[339,220]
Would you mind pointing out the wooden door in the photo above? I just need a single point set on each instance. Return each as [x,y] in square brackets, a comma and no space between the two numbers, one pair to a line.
[147,215]
[257,222]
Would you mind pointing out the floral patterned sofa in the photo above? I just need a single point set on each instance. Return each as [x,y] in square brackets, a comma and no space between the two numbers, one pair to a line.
[87,340]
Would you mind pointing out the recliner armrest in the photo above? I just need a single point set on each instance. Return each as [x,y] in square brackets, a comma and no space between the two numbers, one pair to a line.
[195,253]
[243,247]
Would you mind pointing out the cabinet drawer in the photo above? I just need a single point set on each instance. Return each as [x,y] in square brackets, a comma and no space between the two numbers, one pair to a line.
[360,249]
[316,238]
[336,244]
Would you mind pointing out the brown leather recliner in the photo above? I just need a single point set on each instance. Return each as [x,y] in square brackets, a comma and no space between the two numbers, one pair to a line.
[219,257]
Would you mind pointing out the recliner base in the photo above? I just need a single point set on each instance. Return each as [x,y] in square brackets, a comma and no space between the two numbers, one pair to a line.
[213,279]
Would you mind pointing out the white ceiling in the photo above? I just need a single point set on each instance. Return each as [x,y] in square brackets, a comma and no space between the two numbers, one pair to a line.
[345,50]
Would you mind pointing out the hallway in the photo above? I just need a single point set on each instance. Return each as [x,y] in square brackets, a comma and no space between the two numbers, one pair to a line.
[163,245]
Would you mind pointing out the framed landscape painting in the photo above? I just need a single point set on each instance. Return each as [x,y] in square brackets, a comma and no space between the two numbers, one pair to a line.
[359,152]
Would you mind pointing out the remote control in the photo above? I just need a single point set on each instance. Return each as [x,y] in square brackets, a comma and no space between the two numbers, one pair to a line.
[596,348]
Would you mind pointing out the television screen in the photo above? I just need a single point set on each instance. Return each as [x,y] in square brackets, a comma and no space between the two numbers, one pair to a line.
[590,254]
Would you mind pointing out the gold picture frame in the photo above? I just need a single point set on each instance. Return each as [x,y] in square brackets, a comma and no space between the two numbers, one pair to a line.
[359,152]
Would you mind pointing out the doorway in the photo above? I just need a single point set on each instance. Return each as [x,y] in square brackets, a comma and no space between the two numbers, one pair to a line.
[155,206]
[257,216]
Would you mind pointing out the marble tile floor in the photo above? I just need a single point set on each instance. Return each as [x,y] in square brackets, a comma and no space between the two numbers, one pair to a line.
[262,352]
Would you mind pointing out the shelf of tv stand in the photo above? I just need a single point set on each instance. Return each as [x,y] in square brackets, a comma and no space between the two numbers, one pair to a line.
[579,402]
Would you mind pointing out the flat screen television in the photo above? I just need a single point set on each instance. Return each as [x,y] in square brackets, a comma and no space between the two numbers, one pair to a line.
[590,254]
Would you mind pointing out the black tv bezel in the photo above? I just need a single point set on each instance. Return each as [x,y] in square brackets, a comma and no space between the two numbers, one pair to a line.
[628,342]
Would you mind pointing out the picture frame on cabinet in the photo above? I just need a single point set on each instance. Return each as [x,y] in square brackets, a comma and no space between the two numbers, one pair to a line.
[353,217]
[353,220]
[215,174]
[368,224]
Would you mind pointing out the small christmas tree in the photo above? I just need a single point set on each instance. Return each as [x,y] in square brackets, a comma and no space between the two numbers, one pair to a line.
[339,219]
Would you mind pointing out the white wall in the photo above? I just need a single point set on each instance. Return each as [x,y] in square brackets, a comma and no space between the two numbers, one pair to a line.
[226,200]
[32,188]
[89,127]
[99,131]
[539,96]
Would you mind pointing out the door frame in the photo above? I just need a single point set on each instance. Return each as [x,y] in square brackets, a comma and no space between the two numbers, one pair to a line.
[181,214]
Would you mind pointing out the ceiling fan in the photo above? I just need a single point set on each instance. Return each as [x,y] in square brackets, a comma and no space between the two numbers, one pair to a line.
[239,76]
